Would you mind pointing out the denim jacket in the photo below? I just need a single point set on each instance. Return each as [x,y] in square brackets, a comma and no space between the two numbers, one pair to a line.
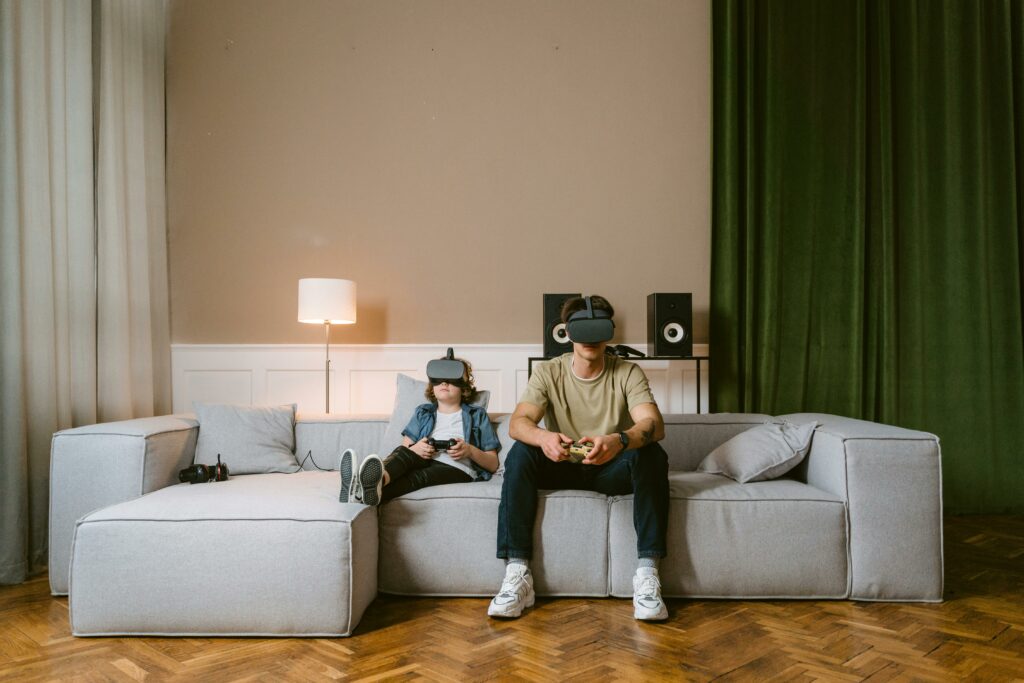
[477,430]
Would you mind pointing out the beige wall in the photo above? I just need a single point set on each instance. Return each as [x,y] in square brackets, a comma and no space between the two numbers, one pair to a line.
[456,158]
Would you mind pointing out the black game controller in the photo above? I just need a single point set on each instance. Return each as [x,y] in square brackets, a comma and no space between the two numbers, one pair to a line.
[442,444]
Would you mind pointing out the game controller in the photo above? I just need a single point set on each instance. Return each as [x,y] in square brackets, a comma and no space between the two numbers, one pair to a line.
[442,444]
[578,450]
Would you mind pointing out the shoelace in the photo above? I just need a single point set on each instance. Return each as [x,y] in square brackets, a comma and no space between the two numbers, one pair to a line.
[649,587]
[513,584]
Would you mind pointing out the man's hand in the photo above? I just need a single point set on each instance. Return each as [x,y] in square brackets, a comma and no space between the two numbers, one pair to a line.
[423,449]
[605,448]
[555,446]
[460,450]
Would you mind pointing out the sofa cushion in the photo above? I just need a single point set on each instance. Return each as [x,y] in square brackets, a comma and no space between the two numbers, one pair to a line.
[764,452]
[249,439]
[773,539]
[271,554]
[441,540]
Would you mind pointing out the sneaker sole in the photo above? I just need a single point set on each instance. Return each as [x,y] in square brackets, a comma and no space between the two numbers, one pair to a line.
[658,616]
[530,600]
[345,467]
[371,475]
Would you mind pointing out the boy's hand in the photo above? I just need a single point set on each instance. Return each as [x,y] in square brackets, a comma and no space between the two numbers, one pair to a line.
[460,450]
[555,446]
[423,449]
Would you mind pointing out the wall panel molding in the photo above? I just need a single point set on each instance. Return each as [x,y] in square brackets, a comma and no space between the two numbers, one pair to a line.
[363,375]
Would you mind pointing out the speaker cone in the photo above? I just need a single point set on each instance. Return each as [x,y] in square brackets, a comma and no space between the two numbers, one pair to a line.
[560,334]
[673,333]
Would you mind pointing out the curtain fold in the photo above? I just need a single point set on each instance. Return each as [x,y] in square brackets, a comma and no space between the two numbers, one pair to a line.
[867,223]
[47,375]
[133,361]
[49,241]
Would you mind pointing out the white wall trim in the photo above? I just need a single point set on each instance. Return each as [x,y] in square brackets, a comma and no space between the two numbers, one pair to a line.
[363,375]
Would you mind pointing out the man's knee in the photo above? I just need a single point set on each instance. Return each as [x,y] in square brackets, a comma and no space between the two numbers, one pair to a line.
[521,461]
[652,459]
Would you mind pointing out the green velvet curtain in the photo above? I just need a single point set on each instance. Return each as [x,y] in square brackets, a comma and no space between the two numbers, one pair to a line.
[868,223]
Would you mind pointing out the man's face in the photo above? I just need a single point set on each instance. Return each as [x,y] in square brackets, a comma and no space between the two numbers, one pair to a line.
[589,352]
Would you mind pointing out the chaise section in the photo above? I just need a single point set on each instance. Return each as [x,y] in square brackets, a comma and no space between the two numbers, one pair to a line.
[441,541]
[773,539]
[891,478]
[257,555]
[99,465]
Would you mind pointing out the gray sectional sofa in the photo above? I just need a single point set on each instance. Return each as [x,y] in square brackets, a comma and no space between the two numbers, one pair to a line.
[277,555]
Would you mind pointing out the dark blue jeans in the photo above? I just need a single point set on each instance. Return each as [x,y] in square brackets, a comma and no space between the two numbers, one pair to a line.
[642,472]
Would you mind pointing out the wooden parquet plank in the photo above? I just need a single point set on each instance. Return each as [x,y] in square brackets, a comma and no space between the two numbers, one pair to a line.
[976,635]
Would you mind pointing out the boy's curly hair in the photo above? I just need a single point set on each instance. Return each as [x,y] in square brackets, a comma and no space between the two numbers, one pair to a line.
[469,391]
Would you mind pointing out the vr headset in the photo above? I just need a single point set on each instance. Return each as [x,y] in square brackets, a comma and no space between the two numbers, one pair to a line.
[446,370]
[589,326]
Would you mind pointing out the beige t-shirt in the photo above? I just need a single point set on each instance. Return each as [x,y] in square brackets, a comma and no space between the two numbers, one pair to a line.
[587,407]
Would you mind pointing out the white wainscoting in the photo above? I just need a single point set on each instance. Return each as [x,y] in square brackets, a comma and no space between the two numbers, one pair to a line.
[363,376]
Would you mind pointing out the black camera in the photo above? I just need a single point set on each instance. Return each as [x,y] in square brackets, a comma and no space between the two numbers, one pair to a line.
[442,444]
[200,474]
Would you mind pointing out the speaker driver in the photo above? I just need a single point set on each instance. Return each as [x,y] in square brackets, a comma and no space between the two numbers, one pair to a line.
[673,333]
[670,324]
[556,337]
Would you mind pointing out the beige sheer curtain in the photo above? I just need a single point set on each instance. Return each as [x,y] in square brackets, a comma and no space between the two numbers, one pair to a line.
[83,275]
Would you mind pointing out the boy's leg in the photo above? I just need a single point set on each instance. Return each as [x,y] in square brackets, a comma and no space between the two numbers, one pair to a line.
[401,461]
[433,473]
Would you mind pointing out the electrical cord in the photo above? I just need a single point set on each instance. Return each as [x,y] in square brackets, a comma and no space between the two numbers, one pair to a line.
[309,456]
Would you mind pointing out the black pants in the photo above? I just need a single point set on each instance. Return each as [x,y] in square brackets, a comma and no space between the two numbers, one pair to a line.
[409,472]
[642,472]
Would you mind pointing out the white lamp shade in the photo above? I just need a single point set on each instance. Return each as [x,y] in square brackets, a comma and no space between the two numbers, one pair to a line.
[323,299]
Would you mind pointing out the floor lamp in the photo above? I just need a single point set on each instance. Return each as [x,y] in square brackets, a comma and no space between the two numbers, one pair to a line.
[324,301]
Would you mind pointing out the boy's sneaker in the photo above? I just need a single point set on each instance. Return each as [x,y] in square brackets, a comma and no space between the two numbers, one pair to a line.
[647,602]
[347,468]
[516,593]
[370,480]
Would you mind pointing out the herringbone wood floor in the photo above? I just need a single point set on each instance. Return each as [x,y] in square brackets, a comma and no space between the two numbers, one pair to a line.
[977,634]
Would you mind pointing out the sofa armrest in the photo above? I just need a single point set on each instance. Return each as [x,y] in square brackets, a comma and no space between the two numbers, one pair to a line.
[891,479]
[99,465]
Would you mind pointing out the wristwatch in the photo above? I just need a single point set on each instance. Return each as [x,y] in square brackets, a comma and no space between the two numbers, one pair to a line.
[625,440]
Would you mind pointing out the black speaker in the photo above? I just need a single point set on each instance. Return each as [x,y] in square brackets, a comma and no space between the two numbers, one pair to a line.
[556,339]
[669,325]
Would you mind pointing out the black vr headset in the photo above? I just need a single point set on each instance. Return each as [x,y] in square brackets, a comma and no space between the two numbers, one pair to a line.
[589,326]
[446,369]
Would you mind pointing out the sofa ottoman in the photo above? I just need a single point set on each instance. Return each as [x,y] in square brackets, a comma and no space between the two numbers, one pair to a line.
[274,550]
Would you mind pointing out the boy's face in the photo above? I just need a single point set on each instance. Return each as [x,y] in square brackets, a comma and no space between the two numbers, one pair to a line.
[447,391]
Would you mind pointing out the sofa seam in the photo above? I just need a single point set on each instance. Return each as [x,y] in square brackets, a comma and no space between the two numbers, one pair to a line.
[210,519]
[132,436]
[849,522]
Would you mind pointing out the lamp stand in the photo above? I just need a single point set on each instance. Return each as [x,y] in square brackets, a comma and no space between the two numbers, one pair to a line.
[327,366]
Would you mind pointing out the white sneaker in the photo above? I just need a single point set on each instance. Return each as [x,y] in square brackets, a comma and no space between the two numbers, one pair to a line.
[647,602]
[516,593]
[370,480]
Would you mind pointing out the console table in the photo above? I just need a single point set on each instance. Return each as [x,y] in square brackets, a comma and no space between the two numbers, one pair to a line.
[699,359]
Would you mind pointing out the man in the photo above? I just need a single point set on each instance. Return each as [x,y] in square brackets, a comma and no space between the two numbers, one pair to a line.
[594,397]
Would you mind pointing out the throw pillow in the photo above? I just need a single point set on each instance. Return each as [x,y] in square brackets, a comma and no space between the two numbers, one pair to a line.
[409,395]
[760,453]
[250,439]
